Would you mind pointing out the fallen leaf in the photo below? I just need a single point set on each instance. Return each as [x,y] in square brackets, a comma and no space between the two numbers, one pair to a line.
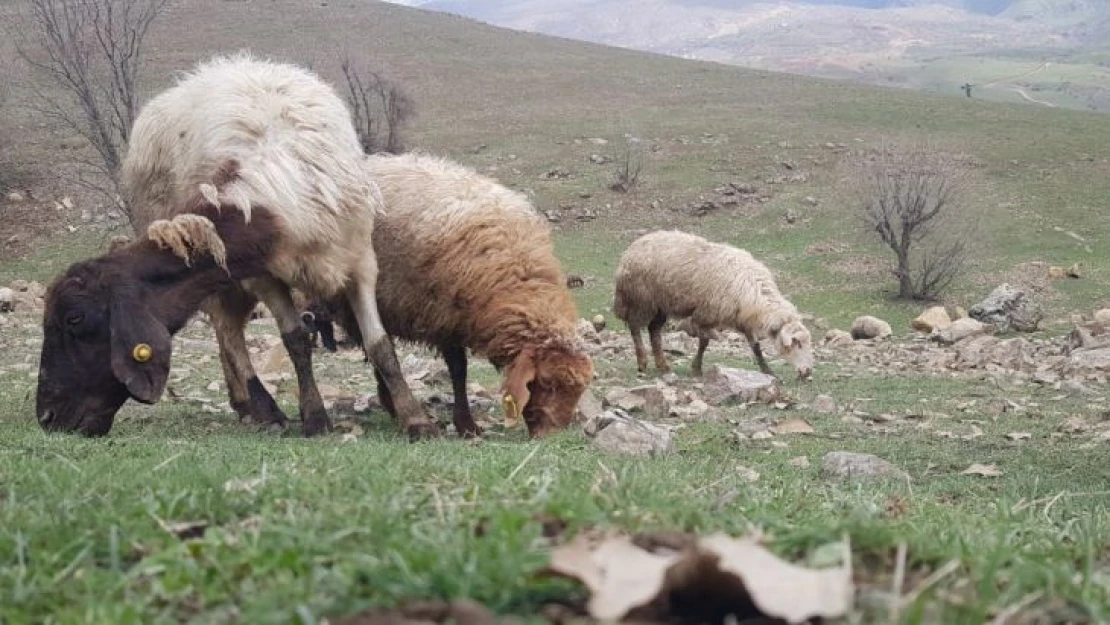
[184,529]
[236,485]
[1018,436]
[792,426]
[985,470]
[716,575]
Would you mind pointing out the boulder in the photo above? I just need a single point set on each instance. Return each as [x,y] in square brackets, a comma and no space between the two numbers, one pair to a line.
[1006,308]
[933,318]
[725,384]
[868,327]
[959,330]
[616,431]
[838,338]
[823,404]
[1103,316]
[841,465]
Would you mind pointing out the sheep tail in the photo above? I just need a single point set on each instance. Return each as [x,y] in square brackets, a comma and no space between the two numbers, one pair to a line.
[187,236]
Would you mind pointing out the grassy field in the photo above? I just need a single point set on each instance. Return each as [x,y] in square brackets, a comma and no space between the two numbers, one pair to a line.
[293,531]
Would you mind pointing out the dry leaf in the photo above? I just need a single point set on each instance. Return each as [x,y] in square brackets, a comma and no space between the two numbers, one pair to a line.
[985,470]
[792,426]
[719,575]
[184,529]
[236,485]
[1018,436]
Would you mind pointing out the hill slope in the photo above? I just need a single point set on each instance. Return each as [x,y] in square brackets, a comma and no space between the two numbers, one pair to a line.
[532,110]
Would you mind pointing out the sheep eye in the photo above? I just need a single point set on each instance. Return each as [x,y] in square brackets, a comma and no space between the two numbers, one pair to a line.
[75,319]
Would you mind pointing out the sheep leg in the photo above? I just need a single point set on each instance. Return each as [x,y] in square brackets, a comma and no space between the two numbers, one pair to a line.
[695,367]
[229,312]
[655,333]
[379,349]
[638,343]
[455,355]
[294,335]
[384,398]
[758,351]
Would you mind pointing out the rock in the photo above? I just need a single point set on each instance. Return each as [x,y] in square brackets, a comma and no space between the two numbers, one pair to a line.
[67,202]
[589,406]
[725,384]
[838,338]
[7,300]
[933,318]
[858,467]
[275,361]
[810,200]
[696,410]
[1007,307]
[1073,271]
[1075,388]
[599,159]
[1089,360]
[1055,272]
[1103,316]
[587,331]
[959,330]
[598,322]
[624,399]
[959,312]
[824,404]
[868,327]
[15,196]
[656,406]
[616,431]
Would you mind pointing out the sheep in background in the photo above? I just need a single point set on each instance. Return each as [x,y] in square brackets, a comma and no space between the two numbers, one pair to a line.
[468,264]
[674,274]
[274,145]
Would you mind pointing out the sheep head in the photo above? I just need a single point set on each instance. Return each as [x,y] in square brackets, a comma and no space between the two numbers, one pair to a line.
[543,385]
[796,346]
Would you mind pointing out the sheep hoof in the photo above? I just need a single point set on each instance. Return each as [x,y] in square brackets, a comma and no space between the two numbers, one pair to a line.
[316,423]
[423,430]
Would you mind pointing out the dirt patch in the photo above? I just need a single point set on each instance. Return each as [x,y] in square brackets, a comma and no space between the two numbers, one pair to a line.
[22,223]
[861,266]
[822,248]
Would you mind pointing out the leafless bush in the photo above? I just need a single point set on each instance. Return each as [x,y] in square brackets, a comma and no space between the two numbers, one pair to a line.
[913,200]
[629,166]
[380,108]
[92,50]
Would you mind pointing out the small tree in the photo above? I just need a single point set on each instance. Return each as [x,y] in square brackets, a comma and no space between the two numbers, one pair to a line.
[92,50]
[913,201]
[629,166]
[380,108]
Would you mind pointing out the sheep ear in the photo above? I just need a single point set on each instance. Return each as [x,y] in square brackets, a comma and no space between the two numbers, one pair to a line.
[514,391]
[140,349]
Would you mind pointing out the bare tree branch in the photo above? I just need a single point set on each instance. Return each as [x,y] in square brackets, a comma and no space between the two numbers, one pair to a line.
[92,50]
[913,201]
[380,108]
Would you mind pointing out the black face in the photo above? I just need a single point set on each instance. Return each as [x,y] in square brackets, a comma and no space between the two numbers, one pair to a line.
[94,329]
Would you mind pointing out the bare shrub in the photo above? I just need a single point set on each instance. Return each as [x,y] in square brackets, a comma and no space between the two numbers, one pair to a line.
[914,201]
[380,108]
[92,51]
[629,166]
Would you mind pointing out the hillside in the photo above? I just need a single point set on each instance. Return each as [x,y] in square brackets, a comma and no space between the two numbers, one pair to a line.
[521,106]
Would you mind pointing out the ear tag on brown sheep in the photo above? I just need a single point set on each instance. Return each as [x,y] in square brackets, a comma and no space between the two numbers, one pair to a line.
[512,412]
[142,353]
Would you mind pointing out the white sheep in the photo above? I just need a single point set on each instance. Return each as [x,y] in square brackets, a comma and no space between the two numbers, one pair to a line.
[668,274]
[299,158]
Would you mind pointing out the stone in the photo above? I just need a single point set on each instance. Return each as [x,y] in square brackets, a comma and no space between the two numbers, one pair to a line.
[275,361]
[1008,307]
[589,406]
[587,331]
[1102,316]
[1089,360]
[933,318]
[598,322]
[841,465]
[959,330]
[624,399]
[1055,272]
[868,327]
[7,300]
[838,338]
[824,404]
[1075,271]
[725,384]
[959,312]
[15,196]
[616,431]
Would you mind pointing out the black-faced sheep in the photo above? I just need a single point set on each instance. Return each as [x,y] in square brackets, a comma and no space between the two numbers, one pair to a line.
[668,274]
[291,165]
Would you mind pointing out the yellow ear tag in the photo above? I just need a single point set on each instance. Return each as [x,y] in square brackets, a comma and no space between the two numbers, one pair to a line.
[142,353]
[512,414]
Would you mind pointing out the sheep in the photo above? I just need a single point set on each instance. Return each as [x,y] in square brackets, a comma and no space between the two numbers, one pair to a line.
[675,274]
[468,264]
[247,167]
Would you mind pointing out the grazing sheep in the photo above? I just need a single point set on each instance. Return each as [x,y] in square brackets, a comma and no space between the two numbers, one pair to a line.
[674,274]
[468,264]
[248,167]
